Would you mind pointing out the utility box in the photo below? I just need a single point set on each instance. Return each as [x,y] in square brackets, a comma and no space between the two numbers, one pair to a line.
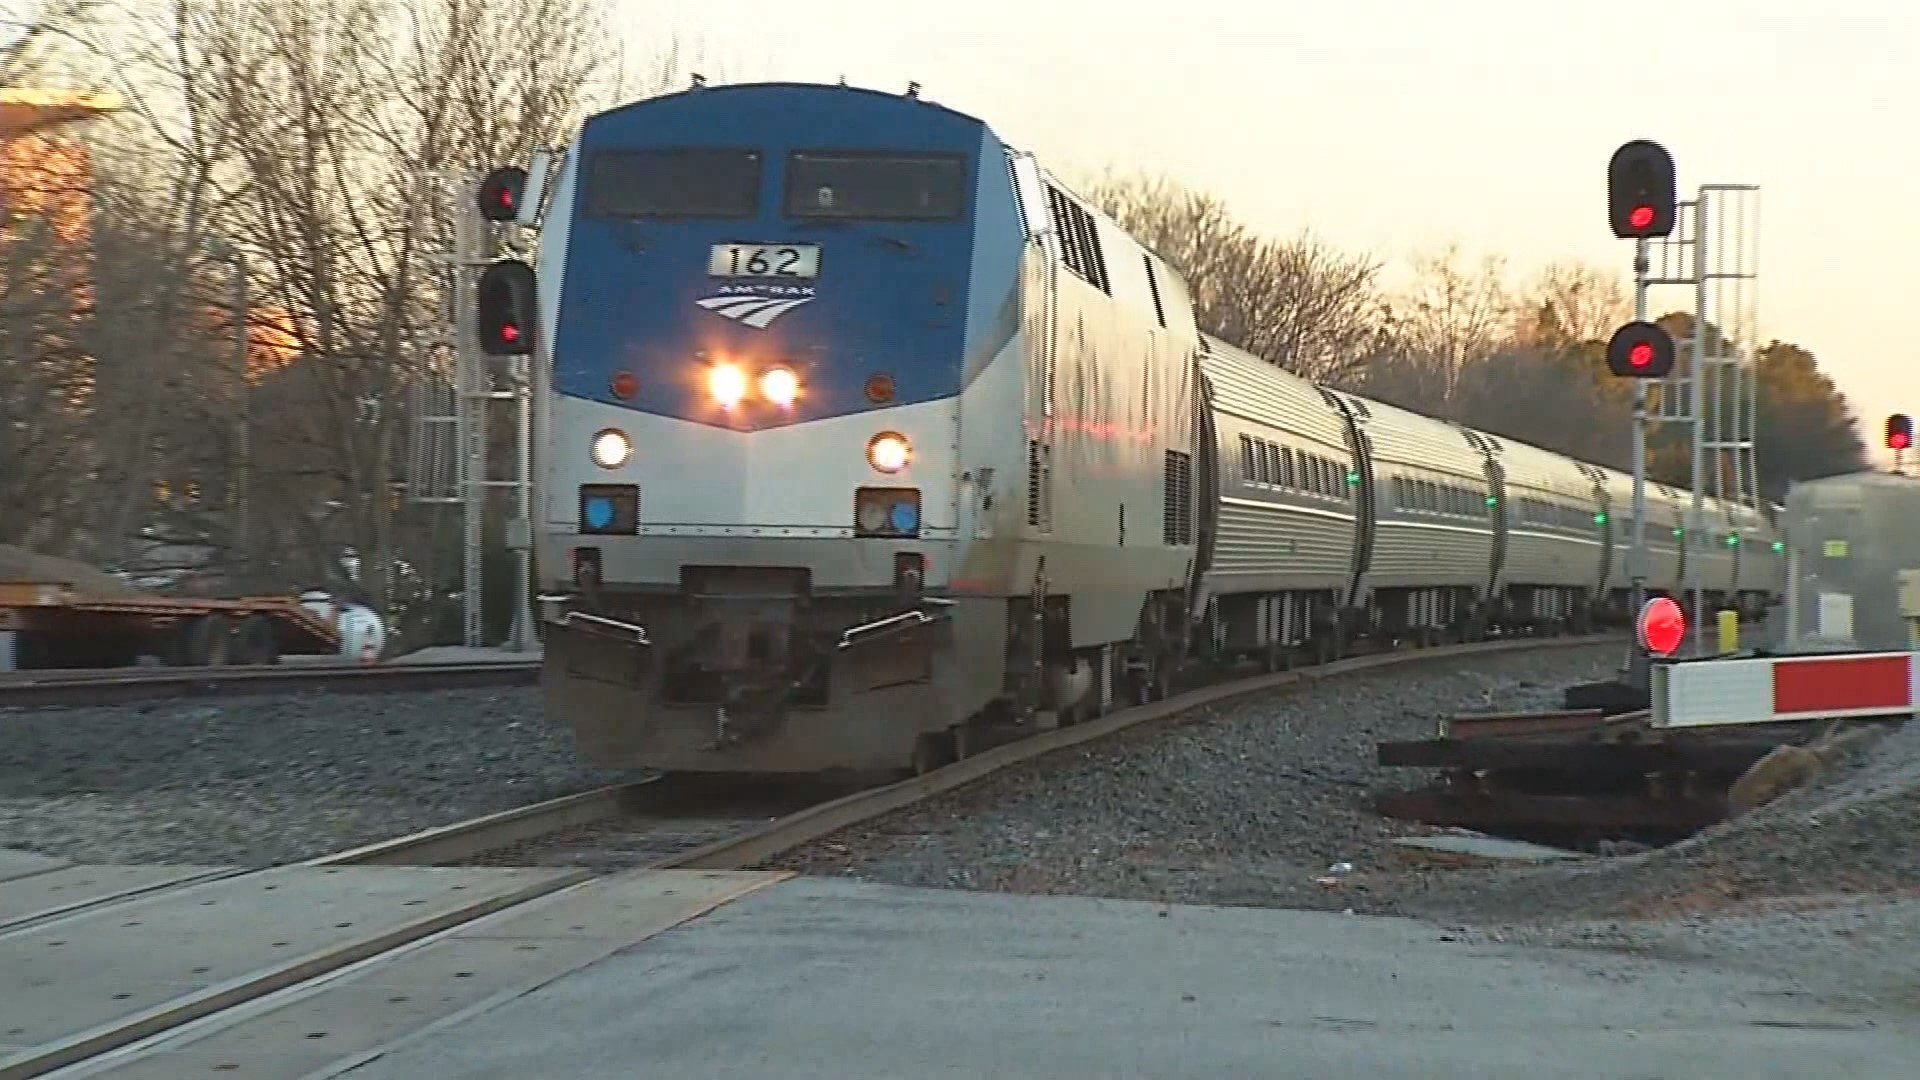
[1853,563]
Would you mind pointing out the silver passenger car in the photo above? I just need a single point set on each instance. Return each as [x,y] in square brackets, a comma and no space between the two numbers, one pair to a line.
[1554,562]
[1715,545]
[1665,517]
[1278,533]
[1431,556]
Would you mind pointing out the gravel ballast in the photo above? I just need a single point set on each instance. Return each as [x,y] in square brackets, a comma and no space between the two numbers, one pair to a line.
[256,781]
[1249,802]
[1267,801]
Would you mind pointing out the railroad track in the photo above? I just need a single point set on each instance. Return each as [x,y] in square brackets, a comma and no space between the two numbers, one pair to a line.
[660,823]
[528,831]
[119,686]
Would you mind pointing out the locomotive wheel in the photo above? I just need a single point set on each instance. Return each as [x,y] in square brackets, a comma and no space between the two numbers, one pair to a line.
[1328,645]
[1149,686]
[1160,679]
[934,750]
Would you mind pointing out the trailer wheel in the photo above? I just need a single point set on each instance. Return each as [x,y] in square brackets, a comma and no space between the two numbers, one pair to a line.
[257,641]
[201,642]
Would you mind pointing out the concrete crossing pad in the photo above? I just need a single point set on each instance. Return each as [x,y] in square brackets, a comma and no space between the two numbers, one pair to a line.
[31,898]
[15,863]
[332,1026]
[79,984]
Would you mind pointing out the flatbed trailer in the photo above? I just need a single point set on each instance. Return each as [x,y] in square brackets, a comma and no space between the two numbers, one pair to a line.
[46,625]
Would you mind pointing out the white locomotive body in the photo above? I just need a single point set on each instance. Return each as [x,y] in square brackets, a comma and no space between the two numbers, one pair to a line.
[864,439]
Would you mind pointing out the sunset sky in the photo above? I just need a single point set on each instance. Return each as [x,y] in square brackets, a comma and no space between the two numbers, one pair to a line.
[1396,126]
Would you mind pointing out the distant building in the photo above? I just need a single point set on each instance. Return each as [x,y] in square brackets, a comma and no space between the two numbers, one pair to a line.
[46,221]
[43,175]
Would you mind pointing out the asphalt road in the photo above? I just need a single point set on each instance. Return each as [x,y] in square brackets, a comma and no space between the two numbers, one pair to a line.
[822,978]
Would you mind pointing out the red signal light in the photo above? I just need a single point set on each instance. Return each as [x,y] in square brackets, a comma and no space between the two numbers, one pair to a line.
[509,315]
[499,196]
[1640,217]
[1898,440]
[1640,350]
[1663,626]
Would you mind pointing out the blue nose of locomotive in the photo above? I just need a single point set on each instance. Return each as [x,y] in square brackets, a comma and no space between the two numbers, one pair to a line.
[755,256]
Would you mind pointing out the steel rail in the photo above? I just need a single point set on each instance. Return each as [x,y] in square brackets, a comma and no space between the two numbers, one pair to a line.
[39,689]
[465,840]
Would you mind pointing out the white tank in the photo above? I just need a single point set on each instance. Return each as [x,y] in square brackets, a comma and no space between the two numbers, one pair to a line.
[362,634]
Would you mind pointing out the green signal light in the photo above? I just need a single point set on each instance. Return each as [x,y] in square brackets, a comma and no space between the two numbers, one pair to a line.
[1679,532]
[1491,501]
[1778,547]
[1733,539]
[1353,479]
[1599,519]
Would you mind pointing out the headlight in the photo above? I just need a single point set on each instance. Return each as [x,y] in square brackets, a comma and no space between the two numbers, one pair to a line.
[780,386]
[889,452]
[611,449]
[727,385]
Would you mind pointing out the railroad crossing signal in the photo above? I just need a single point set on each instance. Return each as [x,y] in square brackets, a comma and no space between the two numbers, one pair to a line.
[1899,431]
[1662,626]
[1640,350]
[1642,200]
[508,308]
[501,192]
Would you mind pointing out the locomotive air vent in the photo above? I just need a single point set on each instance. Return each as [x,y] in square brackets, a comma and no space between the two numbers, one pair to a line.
[1176,526]
[1038,512]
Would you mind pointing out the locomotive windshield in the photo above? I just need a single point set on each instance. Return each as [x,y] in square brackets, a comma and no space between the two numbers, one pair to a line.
[876,186]
[676,182]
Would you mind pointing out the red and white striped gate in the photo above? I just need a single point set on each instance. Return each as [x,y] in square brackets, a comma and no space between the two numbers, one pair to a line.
[1703,693]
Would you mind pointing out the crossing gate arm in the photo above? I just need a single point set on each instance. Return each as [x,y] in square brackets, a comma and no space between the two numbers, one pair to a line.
[1766,690]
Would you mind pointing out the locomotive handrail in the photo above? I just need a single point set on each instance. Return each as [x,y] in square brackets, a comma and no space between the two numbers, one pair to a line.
[639,632]
[906,620]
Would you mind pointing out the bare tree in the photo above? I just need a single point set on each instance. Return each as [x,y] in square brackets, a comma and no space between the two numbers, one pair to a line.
[1452,317]
[323,136]
[34,42]
[1568,303]
[1298,303]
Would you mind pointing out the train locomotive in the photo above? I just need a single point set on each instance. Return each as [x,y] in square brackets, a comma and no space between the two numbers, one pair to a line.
[864,439]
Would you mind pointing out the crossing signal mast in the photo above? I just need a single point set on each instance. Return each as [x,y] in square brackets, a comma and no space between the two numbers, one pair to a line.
[1715,394]
[493,312]
[1641,204]
[508,307]
[508,314]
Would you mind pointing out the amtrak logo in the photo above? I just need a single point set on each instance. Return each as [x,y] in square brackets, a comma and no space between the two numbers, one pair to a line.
[757,305]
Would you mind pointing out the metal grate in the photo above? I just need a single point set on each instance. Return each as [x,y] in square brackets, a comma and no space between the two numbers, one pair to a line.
[1153,286]
[1176,521]
[1079,240]
[1039,514]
